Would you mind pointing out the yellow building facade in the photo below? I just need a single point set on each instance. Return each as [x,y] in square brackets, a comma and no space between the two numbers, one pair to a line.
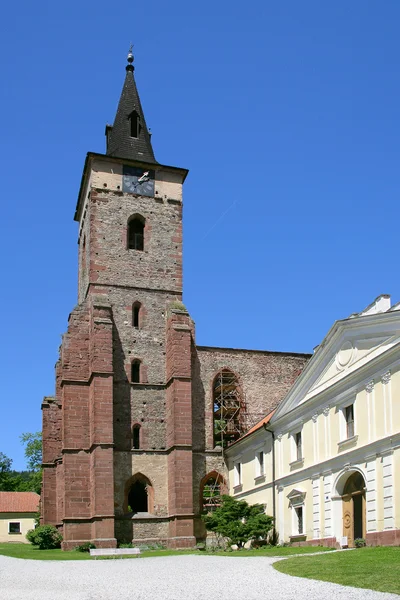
[331,451]
[17,515]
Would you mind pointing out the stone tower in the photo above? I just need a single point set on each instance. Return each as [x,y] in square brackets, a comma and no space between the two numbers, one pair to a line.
[121,418]
[131,446]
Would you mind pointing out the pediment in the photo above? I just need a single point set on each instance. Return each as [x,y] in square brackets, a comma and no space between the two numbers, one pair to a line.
[350,345]
[295,493]
[347,356]
[296,496]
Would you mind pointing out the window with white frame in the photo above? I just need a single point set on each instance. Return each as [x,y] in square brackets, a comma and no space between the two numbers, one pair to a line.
[349,418]
[297,453]
[14,527]
[299,524]
[297,499]
[237,474]
[260,463]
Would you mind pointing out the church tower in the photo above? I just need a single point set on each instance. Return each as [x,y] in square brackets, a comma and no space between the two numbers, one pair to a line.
[117,447]
[134,438]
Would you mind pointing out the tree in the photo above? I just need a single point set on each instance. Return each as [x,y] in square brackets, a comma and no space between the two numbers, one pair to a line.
[33,450]
[8,481]
[33,455]
[239,521]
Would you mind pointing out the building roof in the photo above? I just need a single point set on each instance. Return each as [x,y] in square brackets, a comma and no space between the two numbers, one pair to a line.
[18,502]
[255,428]
[120,142]
[260,424]
[240,350]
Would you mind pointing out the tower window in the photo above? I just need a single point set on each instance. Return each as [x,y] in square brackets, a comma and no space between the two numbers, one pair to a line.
[136,437]
[136,308]
[134,124]
[135,371]
[136,234]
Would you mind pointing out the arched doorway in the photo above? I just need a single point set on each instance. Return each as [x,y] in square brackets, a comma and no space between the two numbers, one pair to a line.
[353,498]
[212,487]
[139,495]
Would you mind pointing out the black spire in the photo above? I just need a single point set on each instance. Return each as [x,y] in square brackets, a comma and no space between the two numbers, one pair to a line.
[129,136]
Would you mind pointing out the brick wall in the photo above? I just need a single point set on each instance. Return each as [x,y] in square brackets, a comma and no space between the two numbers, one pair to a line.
[87,444]
[112,263]
[264,377]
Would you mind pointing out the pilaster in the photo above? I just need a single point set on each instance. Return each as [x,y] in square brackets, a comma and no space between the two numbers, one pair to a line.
[179,429]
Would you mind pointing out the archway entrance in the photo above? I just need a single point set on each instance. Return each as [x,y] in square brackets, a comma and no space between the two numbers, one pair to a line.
[139,495]
[354,525]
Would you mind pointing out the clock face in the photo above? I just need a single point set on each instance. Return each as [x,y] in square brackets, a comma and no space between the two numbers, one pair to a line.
[136,180]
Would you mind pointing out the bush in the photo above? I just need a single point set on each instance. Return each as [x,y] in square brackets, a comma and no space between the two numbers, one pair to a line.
[239,522]
[360,543]
[86,547]
[46,537]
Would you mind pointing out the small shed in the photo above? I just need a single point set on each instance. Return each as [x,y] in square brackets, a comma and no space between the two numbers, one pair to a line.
[17,515]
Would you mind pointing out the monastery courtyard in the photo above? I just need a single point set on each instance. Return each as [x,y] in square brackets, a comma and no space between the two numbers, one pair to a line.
[165,578]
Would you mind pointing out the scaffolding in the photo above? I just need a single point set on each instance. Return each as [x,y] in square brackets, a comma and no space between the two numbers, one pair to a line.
[212,491]
[231,418]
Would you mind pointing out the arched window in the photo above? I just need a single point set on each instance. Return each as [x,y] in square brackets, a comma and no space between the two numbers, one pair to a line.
[134,124]
[136,309]
[139,495]
[136,437]
[135,371]
[211,489]
[136,233]
[227,403]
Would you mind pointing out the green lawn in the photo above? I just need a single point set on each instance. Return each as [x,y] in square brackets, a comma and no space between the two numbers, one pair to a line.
[372,568]
[272,551]
[28,551]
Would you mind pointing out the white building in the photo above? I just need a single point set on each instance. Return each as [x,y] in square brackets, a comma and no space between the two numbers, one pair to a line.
[329,466]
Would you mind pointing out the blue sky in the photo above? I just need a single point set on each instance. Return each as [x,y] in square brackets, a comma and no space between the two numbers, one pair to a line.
[287,116]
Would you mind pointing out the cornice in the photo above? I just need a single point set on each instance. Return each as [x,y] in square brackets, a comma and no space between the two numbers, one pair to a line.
[351,458]
[338,392]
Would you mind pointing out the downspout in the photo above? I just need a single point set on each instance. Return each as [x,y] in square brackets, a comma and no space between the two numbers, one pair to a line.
[273,479]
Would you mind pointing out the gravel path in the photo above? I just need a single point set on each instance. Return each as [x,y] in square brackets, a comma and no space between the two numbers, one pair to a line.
[165,578]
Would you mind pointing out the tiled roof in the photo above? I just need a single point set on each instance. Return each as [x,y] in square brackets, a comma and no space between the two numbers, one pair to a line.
[17,502]
[256,427]
[260,424]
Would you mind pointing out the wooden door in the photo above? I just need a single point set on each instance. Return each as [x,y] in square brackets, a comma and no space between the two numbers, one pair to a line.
[348,520]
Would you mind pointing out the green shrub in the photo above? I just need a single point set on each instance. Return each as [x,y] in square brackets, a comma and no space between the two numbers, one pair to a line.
[238,521]
[86,547]
[360,543]
[46,537]
[176,305]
